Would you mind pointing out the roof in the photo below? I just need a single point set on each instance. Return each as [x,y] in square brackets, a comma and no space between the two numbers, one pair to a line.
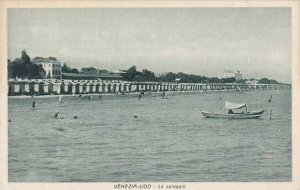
[230,105]
[119,72]
[93,75]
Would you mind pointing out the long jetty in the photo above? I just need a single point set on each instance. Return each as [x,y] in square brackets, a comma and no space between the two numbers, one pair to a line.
[60,86]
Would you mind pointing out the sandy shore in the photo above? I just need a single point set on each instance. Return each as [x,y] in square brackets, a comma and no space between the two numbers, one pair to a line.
[104,94]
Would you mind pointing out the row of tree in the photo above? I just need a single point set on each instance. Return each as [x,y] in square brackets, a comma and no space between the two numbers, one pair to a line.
[89,70]
[267,81]
[132,74]
[24,67]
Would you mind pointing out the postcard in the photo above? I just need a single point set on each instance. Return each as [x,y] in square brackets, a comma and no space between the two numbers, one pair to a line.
[158,95]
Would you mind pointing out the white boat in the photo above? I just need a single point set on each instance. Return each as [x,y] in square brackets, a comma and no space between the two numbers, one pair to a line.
[234,111]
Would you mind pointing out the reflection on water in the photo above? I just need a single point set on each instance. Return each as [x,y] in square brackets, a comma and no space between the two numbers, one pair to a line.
[168,141]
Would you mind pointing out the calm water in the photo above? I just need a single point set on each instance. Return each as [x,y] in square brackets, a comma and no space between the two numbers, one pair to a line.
[169,141]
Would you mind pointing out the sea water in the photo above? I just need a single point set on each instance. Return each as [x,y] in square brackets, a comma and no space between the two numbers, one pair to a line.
[169,140]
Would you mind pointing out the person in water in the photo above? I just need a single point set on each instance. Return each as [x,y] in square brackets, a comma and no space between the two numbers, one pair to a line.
[56,115]
[33,105]
[75,116]
[60,99]
[270,99]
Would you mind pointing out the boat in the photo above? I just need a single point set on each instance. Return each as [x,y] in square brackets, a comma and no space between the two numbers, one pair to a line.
[234,111]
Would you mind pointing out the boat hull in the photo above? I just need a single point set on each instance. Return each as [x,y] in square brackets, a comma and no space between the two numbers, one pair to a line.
[248,115]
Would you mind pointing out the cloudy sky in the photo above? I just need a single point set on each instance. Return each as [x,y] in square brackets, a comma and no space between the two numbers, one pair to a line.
[204,41]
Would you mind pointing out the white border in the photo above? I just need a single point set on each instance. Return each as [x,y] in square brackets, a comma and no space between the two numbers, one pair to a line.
[294,185]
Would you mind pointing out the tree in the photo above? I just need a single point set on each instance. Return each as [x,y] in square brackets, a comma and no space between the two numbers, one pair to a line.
[10,70]
[89,70]
[25,59]
[264,81]
[74,71]
[228,80]
[272,81]
[66,69]
[169,77]
[130,73]
[52,58]
[213,80]
[18,68]
[148,75]
[138,78]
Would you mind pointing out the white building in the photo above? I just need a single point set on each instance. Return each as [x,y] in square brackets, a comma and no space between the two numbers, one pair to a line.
[52,68]
[229,74]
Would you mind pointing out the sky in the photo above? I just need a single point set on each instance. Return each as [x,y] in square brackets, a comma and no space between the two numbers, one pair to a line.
[202,41]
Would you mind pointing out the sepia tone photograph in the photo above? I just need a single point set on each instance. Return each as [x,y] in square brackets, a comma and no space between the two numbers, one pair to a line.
[149,97]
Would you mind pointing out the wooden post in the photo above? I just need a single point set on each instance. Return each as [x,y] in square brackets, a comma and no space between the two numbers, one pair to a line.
[270,113]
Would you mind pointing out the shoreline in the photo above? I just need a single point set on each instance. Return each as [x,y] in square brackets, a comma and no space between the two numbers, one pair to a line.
[168,93]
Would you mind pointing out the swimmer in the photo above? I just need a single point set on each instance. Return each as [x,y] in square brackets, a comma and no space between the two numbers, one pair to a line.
[56,115]
[270,99]
[75,116]
[60,99]
[33,105]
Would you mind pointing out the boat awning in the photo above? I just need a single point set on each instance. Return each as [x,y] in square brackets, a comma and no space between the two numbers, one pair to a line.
[230,105]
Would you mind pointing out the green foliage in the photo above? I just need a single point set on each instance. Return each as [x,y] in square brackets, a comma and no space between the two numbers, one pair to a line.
[74,70]
[130,74]
[241,81]
[148,75]
[214,80]
[52,58]
[24,68]
[89,70]
[168,77]
[66,69]
[228,80]
[138,78]
[103,71]
[267,81]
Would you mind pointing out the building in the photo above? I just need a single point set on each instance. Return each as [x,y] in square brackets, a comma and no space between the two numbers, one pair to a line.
[229,74]
[52,67]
